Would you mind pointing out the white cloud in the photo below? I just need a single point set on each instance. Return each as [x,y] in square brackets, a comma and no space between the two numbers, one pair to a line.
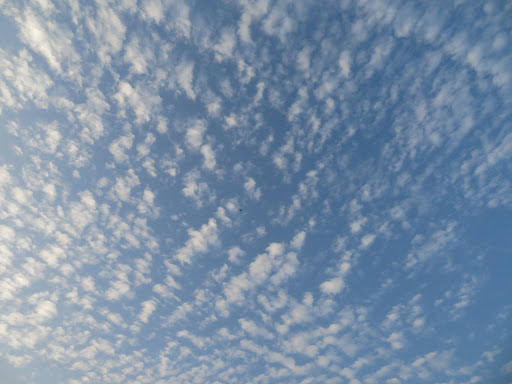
[332,286]
[197,341]
[195,133]
[288,269]
[221,215]
[88,284]
[148,307]
[124,185]
[235,253]
[7,234]
[250,187]
[47,38]
[367,240]
[134,57]
[109,31]
[252,329]
[180,313]
[142,101]
[195,189]
[506,369]
[119,146]
[199,241]
[224,48]
[44,311]
[261,267]
[298,240]
[344,63]
[121,286]
[52,255]
[152,9]
[185,78]
[396,339]
[53,137]
[209,157]
[356,226]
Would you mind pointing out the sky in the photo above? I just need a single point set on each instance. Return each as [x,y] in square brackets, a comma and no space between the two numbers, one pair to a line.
[255,191]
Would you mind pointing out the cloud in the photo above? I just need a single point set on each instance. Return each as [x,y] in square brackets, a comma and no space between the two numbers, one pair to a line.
[142,101]
[44,311]
[152,9]
[148,307]
[195,133]
[396,339]
[124,185]
[344,63]
[286,270]
[506,369]
[209,157]
[195,189]
[199,241]
[251,189]
[88,284]
[298,240]
[252,329]
[180,313]
[235,253]
[221,215]
[367,240]
[135,130]
[48,39]
[119,146]
[185,78]
[332,286]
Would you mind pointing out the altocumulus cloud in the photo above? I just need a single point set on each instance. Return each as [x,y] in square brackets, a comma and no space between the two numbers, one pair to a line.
[256,191]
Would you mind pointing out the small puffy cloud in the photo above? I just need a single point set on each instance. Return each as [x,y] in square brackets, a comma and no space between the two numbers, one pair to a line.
[52,255]
[197,341]
[209,157]
[344,63]
[148,307]
[53,137]
[180,313]
[288,269]
[120,286]
[124,185]
[199,241]
[507,368]
[298,240]
[252,329]
[195,189]
[141,100]
[153,10]
[88,284]
[44,311]
[332,286]
[224,48]
[185,78]
[119,147]
[7,234]
[195,133]
[221,215]
[250,188]
[5,176]
[367,240]
[356,226]
[235,253]
[262,266]
[397,340]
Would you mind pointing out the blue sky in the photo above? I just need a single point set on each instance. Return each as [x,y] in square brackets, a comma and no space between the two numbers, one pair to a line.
[255,191]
